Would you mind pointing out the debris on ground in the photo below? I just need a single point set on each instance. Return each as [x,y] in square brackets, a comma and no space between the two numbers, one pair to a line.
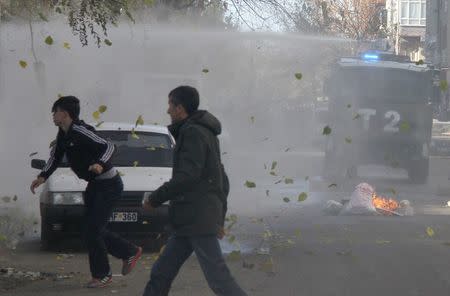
[365,201]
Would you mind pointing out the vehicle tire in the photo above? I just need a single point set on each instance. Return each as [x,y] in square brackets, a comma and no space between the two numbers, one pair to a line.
[418,171]
[48,240]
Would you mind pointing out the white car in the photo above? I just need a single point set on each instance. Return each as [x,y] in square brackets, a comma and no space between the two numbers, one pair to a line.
[143,158]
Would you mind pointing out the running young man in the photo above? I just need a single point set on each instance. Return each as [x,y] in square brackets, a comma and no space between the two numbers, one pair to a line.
[89,157]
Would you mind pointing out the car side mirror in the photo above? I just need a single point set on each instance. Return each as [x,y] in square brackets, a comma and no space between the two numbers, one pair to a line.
[38,164]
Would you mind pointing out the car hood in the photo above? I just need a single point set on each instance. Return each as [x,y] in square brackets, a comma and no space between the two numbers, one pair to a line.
[134,179]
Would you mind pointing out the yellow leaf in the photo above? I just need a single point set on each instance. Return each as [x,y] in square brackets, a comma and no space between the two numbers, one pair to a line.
[332,185]
[430,231]
[232,239]
[205,71]
[288,181]
[326,130]
[134,135]
[298,233]
[274,165]
[99,124]
[108,42]
[139,120]
[96,115]
[443,85]
[302,197]
[66,45]
[235,255]
[404,126]
[250,184]
[49,40]
[23,64]
[348,140]
[382,242]
[102,109]
[273,173]
[356,116]
[299,76]
[135,163]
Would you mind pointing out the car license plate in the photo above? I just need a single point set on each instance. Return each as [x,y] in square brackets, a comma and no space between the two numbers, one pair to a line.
[124,217]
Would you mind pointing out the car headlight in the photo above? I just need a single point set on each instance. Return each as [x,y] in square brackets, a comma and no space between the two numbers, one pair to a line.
[67,198]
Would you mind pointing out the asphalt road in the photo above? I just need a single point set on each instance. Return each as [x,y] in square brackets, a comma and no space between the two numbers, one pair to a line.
[294,250]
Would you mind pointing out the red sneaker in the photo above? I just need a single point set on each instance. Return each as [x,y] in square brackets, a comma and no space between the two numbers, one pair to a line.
[99,283]
[130,263]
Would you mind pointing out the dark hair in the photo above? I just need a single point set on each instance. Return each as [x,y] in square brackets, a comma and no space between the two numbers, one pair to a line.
[70,104]
[187,96]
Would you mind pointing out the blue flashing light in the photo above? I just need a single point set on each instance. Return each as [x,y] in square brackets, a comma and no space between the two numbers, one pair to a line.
[372,57]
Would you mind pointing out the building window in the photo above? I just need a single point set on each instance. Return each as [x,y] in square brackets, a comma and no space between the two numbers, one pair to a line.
[413,12]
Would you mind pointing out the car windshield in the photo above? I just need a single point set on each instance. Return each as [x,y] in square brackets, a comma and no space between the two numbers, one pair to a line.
[141,149]
[381,84]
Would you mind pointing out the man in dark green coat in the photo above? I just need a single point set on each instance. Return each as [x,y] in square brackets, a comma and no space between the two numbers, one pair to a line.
[197,194]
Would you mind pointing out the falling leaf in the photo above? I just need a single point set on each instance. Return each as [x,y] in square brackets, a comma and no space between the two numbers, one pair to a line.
[102,109]
[139,121]
[234,255]
[205,71]
[430,231]
[382,242]
[267,266]
[288,181]
[357,116]
[348,140]
[23,64]
[49,40]
[15,198]
[286,199]
[443,85]
[135,163]
[326,130]
[96,115]
[250,184]
[99,124]
[349,106]
[273,173]
[302,196]
[33,154]
[134,135]
[267,192]
[332,185]
[43,17]
[404,126]
[299,76]
[252,119]
[419,62]
[274,165]
[344,253]
[108,42]
[278,182]
[121,174]
[248,265]
[231,239]
[66,45]
[59,95]
[298,233]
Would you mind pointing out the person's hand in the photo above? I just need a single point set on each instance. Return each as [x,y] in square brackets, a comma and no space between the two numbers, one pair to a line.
[221,233]
[36,183]
[96,169]
[147,205]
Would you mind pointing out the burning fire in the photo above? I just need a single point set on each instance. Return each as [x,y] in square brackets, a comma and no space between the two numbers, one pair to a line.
[384,203]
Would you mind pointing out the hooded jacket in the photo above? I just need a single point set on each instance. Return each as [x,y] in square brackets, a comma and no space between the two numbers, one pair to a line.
[199,186]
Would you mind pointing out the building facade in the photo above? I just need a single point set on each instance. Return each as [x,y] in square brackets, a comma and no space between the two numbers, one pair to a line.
[406,23]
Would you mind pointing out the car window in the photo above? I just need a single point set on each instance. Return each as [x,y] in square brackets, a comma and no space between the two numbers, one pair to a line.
[141,149]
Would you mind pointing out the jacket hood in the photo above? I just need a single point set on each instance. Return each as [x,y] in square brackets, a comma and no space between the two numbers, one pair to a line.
[206,119]
[201,117]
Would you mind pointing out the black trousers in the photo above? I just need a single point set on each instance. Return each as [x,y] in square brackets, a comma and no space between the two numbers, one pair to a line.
[99,202]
